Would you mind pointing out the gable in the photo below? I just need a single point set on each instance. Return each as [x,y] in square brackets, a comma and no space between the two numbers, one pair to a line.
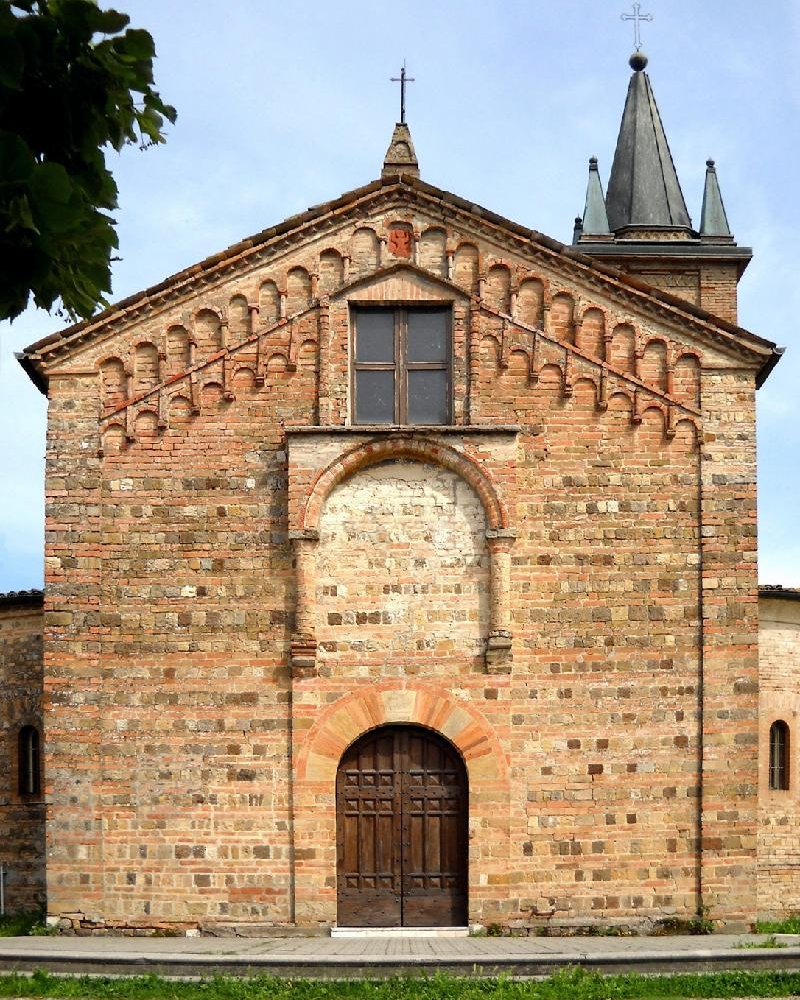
[279,302]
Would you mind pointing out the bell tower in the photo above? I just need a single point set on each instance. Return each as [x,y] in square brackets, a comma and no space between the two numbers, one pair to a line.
[642,224]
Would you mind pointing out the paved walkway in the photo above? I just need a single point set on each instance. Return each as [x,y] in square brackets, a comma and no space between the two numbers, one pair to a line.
[348,958]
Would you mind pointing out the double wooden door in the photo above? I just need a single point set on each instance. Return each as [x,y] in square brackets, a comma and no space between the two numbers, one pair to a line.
[402,801]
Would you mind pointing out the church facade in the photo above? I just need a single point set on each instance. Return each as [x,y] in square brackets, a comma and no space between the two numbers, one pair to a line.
[401,571]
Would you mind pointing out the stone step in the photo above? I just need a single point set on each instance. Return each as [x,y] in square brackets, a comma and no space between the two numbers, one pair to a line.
[254,929]
[399,932]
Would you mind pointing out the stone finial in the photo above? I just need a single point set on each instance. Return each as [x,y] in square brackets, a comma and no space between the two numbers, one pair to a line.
[400,156]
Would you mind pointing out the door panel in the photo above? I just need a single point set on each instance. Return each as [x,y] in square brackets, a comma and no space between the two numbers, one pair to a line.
[402,820]
[369,830]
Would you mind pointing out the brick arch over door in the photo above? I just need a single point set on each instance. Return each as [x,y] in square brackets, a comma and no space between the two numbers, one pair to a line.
[319,750]
[431,452]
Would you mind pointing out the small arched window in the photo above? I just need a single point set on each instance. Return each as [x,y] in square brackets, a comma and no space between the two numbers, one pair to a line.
[779,755]
[29,762]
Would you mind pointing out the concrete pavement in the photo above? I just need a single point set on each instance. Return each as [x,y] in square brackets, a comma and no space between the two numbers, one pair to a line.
[398,955]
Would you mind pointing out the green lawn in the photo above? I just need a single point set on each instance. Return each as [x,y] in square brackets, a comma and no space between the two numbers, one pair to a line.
[571,984]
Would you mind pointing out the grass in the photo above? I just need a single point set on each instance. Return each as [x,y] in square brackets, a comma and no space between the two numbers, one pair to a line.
[769,942]
[791,925]
[22,924]
[568,984]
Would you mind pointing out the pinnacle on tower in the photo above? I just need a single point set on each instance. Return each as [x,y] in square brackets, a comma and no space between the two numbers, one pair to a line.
[400,156]
[713,220]
[643,189]
[595,217]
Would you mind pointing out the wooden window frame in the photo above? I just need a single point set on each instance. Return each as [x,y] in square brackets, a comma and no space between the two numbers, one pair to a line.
[779,767]
[401,366]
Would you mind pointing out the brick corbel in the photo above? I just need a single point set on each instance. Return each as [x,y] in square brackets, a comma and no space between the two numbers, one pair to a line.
[499,640]
[303,645]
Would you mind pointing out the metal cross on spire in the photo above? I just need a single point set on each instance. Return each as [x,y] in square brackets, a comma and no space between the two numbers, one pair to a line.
[403,80]
[636,17]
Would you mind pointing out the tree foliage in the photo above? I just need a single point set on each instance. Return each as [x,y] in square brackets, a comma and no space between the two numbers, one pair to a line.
[75,80]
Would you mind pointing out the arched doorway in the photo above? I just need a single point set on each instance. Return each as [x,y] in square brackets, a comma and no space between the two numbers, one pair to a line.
[401,808]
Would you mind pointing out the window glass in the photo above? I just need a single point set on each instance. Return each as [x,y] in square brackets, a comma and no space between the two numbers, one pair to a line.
[28,764]
[401,365]
[427,396]
[428,336]
[779,755]
[375,396]
[375,336]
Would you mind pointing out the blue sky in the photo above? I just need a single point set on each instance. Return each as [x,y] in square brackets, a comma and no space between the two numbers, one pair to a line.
[283,106]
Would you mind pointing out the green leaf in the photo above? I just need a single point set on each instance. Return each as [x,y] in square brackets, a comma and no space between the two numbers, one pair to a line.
[51,181]
[112,21]
[19,215]
[135,44]
[74,79]
[16,160]
[12,62]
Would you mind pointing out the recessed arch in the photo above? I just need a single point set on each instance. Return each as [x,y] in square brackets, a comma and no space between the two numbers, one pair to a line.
[430,452]
[318,752]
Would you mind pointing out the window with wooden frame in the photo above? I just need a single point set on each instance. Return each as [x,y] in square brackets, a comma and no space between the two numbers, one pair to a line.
[28,761]
[402,365]
[779,755]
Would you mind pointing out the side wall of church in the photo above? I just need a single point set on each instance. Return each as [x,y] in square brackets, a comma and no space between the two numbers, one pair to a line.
[779,808]
[729,723]
[22,856]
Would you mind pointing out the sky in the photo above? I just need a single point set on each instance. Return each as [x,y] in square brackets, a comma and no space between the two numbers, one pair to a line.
[282,106]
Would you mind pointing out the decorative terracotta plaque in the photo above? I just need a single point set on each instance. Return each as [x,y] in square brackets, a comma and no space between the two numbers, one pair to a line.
[400,242]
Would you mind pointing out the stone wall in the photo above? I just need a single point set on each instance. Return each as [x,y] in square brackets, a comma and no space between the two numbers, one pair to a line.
[779,699]
[22,854]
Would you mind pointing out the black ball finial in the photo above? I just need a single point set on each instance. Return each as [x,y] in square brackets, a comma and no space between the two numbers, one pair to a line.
[638,61]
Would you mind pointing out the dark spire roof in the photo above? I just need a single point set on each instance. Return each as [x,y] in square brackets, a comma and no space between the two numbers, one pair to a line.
[400,156]
[713,220]
[643,189]
[595,218]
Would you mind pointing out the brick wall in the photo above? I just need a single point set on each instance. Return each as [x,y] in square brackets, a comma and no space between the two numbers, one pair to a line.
[240,584]
[779,812]
[21,815]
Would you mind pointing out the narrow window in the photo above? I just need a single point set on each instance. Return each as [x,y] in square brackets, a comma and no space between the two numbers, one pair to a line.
[779,755]
[29,761]
[402,366]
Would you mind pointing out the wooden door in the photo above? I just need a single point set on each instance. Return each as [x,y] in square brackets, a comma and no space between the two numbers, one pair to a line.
[401,800]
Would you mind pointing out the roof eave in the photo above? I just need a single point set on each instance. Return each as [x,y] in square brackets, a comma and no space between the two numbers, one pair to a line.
[33,371]
[778,592]
[766,369]
[33,358]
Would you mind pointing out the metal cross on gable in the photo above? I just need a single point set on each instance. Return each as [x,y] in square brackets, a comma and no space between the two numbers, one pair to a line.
[636,17]
[403,80]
